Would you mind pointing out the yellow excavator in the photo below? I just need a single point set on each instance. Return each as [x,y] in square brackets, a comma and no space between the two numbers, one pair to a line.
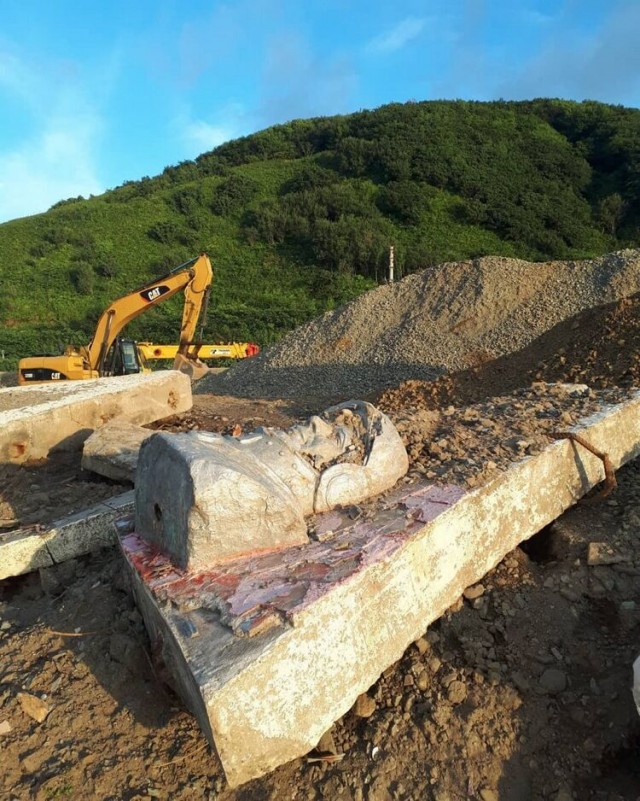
[227,350]
[108,354]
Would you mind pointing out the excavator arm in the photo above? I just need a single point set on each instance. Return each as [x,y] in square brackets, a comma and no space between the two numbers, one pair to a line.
[223,350]
[194,277]
[87,362]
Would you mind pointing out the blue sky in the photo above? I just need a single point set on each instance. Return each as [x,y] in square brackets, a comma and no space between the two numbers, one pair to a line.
[94,94]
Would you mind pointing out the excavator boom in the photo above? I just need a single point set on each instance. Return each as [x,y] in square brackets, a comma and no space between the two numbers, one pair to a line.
[194,277]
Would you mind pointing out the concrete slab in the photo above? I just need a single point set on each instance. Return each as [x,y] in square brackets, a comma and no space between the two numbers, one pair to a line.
[35,420]
[113,449]
[28,549]
[269,650]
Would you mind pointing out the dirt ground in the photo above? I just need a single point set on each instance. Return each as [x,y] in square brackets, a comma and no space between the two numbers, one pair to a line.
[521,691]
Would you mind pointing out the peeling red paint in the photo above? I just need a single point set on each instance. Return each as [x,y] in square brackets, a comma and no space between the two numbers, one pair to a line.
[259,591]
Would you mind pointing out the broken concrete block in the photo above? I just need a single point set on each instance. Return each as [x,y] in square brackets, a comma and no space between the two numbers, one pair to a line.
[203,497]
[34,547]
[112,450]
[269,650]
[45,417]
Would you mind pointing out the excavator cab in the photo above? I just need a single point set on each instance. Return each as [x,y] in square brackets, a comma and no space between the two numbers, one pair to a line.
[124,358]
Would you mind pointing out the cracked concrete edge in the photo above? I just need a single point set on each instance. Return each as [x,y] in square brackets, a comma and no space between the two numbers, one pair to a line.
[28,549]
[290,688]
[32,432]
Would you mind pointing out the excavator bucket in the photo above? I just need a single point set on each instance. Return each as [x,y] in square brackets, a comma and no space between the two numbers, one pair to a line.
[194,368]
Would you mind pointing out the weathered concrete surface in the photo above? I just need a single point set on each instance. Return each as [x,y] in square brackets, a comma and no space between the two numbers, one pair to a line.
[28,549]
[45,417]
[113,449]
[203,497]
[330,617]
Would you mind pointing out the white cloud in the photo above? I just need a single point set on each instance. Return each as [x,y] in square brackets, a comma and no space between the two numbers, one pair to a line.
[195,135]
[224,26]
[58,160]
[15,78]
[395,39]
[57,164]
[602,66]
[297,82]
[201,136]
[534,17]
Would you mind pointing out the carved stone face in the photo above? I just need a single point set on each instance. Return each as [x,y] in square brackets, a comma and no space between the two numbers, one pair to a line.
[318,440]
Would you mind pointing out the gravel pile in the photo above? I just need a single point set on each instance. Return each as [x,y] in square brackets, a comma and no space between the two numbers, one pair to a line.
[446,318]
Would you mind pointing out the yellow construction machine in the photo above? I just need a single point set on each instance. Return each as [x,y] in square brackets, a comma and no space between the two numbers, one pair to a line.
[227,350]
[108,354]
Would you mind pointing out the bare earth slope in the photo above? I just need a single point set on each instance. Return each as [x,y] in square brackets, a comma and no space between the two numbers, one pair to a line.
[444,319]
[599,347]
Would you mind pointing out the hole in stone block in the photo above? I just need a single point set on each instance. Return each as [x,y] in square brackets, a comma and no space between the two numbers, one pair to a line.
[17,449]
[157,511]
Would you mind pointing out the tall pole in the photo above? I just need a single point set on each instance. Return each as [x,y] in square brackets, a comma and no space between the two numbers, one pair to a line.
[390,264]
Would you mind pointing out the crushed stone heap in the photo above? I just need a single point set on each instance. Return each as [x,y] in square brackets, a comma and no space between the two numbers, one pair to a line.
[445,318]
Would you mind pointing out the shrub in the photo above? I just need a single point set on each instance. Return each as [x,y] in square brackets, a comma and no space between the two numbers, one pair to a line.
[233,194]
[83,279]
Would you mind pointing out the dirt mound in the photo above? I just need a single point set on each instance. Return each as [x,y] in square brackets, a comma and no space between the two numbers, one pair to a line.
[447,318]
[599,347]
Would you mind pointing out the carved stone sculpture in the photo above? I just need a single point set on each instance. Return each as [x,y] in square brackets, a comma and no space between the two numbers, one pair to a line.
[202,498]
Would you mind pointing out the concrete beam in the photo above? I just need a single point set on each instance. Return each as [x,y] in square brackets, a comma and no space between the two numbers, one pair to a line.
[28,549]
[36,420]
[268,651]
[113,449]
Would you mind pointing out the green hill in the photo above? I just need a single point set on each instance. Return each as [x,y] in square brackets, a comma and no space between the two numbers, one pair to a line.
[299,218]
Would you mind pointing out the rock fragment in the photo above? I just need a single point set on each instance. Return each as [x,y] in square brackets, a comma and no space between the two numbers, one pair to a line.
[33,706]
[553,681]
[471,593]
[112,450]
[602,553]
[364,706]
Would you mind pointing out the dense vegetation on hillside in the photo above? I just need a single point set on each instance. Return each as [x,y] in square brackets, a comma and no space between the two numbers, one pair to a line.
[300,217]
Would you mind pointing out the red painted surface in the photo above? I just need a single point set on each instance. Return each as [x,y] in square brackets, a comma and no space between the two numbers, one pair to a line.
[258,591]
